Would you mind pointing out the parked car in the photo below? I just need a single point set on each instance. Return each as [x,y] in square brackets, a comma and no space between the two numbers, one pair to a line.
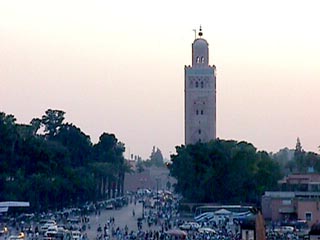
[52,231]
[287,229]
[76,235]
[189,226]
[207,230]
[17,237]
[109,206]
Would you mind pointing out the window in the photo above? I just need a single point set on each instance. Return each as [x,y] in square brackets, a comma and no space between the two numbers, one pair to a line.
[202,59]
[308,216]
[201,84]
[198,60]
[197,112]
[197,84]
[201,112]
[199,131]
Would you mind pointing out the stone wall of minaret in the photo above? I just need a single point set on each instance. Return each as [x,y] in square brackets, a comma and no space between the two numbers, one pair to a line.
[200,95]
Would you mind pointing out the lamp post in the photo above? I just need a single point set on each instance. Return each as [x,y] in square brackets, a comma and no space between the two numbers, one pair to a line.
[157,207]
[142,202]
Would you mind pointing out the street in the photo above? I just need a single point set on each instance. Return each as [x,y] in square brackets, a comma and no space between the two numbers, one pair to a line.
[123,217]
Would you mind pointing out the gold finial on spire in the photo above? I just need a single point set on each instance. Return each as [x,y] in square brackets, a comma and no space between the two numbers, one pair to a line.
[200,32]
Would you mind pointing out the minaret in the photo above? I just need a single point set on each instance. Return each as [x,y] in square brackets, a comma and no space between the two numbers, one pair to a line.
[200,95]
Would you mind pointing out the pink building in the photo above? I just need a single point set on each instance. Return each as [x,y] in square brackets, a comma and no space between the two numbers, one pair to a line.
[299,199]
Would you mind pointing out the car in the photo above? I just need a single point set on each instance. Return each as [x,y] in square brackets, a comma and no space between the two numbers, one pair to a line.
[52,231]
[287,229]
[189,226]
[207,230]
[109,206]
[17,237]
[76,235]
[4,230]
[13,237]
[48,221]
[74,220]
[44,228]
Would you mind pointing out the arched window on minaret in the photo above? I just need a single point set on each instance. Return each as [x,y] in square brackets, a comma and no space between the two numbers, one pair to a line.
[198,60]
[202,59]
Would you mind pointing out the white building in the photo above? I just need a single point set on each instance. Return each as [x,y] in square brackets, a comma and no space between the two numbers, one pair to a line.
[200,95]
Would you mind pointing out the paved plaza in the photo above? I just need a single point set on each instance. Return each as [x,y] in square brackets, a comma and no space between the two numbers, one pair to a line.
[123,217]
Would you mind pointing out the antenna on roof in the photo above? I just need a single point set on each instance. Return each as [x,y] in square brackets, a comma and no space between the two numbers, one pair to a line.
[195,33]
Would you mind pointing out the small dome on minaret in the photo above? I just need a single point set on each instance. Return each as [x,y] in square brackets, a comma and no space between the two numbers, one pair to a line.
[200,51]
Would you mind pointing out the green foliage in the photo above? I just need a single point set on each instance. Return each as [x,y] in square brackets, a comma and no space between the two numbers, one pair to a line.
[52,122]
[59,168]
[156,159]
[297,160]
[223,171]
[299,157]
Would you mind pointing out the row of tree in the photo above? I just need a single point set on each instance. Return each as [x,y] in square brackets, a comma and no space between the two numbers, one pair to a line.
[53,164]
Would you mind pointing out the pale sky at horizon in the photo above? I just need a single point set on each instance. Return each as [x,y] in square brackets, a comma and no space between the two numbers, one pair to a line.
[118,67]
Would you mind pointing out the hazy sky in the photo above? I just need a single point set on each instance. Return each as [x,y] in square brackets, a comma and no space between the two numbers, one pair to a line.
[118,67]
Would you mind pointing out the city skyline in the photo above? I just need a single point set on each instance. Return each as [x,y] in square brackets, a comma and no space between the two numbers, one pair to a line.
[118,67]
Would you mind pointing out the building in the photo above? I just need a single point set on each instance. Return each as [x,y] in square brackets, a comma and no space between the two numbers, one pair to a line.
[152,178]
[298,199]
[200,95]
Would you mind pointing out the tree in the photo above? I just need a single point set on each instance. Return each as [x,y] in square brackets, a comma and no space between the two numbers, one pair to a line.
[110,152]
[35,124]
[223,171]
[52,121]
[8,134]
[78,144]
[299,157]
[156,157]
[60,168]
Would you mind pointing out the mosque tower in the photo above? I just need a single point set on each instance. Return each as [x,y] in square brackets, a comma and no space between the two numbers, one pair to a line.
[200,95]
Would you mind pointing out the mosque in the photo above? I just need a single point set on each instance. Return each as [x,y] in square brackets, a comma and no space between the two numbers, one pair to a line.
[200,95]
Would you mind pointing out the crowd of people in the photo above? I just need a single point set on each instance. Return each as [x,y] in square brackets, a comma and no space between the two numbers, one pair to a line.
[159,220]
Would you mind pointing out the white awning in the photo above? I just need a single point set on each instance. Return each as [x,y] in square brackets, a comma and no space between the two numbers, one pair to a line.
[3,209]
[14,204]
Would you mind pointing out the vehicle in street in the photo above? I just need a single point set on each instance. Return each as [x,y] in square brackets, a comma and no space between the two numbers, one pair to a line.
[52,231]
[17,237]
[46,224]
[76,235]
[189,226]
[207,230]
